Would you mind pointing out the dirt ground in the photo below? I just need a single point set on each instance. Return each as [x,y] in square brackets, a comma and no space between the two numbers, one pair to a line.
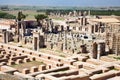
[19,67]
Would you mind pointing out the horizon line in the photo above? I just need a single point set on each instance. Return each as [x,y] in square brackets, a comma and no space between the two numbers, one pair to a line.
[52,5]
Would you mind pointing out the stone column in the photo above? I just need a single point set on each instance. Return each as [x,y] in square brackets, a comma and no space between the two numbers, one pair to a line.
[68,28]
[23,27]
[96,28]
[94,50]
[107,49]
[56,29]
[85,23]
[83,49]
[17,31]
[41,41]
[99,52]
[89,13]
[65,42]
[38,43]
[34,43]
[7,36]
[4,36]
[80,13]
[36,40]
[116,50]
[81,21]
[62,28]
[84,13]
[92,29]
[51,25]
[18,26]
[74,13]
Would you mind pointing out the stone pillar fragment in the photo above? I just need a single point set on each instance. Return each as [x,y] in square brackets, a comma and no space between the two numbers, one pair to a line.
[94,50]
[98,53]
[25,71]
[42,67]
[34,69]
[23,27]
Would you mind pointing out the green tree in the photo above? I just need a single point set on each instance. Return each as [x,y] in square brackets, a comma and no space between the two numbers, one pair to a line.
[21,16]
[6,15]
[40,18]
[9,16]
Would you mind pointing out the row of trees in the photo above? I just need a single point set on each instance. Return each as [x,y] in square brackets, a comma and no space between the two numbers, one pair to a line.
[39,17]
[93,12]
[22,16]
[6,15]
[105,12]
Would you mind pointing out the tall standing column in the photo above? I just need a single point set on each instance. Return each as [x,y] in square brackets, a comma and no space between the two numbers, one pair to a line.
[85,21]
[51,24]
[94,50]
[38,43]
[116,51]
[18,26]
[65,42]
[82,21]
[17,31]
[99,52]
[23,27]
[107,49]
[89,13]
[7,36]
[34,43]
[4,36]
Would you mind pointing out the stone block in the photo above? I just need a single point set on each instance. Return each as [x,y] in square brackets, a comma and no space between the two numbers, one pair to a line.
[42,67]
[49,66]
[26,71]
[116,66]
[3,52]
[6,57]
[103,76]
[11,62]
[12,55]
[105,70]
[33,59]
[59,64]
[1,56]
[26,60]
[3,60]
[3,63]
[19,61]
[19,57]
[117,73]
[33,69]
